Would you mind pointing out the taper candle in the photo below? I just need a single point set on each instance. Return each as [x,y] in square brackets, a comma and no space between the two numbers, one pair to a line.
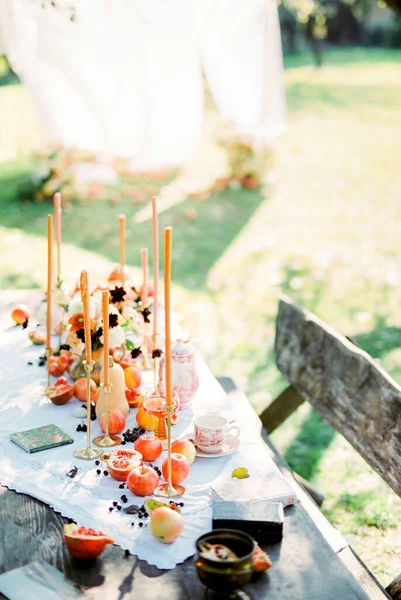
[167,280]
[87,321]
[144,295]
[49,280]
[105,310]
[122,241]
[57,215]
[155,265]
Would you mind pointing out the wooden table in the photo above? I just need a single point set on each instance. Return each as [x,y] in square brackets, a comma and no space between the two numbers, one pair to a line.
[305,565]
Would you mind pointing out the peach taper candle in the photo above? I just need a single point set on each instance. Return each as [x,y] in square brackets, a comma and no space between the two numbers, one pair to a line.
[49,280]
[167,283]
[87,321]
[122,242]
[155,229]
[144,255]
[105,310]
[57,216]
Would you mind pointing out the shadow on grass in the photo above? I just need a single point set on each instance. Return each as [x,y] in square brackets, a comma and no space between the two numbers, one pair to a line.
[197,243]
[308,448]
[380,340]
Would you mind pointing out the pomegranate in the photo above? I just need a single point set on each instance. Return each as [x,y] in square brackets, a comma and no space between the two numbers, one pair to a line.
[82,542]
[121,463]
[133,396]
[60,392]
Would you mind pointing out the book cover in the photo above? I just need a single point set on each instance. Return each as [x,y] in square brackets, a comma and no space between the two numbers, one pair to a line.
[271,486]
[41,438]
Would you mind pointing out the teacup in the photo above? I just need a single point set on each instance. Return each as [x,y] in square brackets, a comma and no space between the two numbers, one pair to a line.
[211,432]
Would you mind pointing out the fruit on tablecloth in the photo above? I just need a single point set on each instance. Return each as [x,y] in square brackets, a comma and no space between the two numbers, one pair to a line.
[133,396]
[143,480]
[82,542]
[149,446]
[116,421]
[260,560]
[186,448]
[132,377]
[54,367]
[37,337]
[166,525]
[240,473]
[80,389]
[60,392]
[121,462]
[151,504]
[61,363]
[20,314]
[145,419]
[180,468]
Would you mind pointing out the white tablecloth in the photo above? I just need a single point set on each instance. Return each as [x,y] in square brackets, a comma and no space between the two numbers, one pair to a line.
[88,496]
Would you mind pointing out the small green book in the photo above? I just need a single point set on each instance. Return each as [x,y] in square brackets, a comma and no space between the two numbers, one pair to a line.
[41,438]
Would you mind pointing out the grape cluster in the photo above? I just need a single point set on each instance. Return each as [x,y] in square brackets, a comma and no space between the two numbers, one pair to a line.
[131,435]
[82,427]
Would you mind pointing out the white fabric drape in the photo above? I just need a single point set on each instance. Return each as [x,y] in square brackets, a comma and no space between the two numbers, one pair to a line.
[124,77]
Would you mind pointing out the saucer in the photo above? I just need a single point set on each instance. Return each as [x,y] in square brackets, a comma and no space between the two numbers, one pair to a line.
[230,446]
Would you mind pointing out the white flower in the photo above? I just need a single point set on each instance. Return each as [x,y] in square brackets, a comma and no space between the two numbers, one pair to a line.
[76,307]
[61,297]
[116,337]
[133,318]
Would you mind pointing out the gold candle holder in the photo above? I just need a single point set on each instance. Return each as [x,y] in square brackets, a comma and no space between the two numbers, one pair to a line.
[106,440]
[88,453]
[155,361]
[146,365]
[48,355]
[42,389]
[168,490]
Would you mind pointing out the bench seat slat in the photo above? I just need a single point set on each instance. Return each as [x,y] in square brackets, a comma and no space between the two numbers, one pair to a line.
[344,385]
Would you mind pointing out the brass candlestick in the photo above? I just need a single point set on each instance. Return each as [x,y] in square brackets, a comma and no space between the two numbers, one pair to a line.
[155,361]
[106,440]
[168,490]
[88,453]
[48,355]
[42,389]
[146,365]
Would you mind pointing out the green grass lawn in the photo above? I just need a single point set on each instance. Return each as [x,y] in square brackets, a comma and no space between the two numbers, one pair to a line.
[325,229]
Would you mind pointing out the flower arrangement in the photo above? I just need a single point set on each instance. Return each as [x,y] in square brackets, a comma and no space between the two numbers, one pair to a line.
[82,177]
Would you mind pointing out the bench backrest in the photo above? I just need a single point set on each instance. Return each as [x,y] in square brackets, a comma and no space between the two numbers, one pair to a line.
[344,385]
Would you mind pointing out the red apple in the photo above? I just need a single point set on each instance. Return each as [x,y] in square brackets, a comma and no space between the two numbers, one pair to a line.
[186,448]
[166,525]
[143,480]
[180,468]
[20,314]
[149,446]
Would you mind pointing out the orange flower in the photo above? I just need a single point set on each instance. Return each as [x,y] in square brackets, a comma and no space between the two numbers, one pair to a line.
[76,322]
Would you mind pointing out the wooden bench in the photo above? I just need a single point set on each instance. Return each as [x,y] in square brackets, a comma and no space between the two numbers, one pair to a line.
[345,386]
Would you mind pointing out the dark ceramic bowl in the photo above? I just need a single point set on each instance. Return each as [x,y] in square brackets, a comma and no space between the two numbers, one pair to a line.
[226,576]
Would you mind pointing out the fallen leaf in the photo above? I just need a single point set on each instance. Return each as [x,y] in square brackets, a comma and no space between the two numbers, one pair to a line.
[240,473]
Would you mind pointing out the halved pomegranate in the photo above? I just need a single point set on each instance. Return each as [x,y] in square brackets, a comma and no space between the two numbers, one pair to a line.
[121,462]
[60,392]
[82,542]
[133,396]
